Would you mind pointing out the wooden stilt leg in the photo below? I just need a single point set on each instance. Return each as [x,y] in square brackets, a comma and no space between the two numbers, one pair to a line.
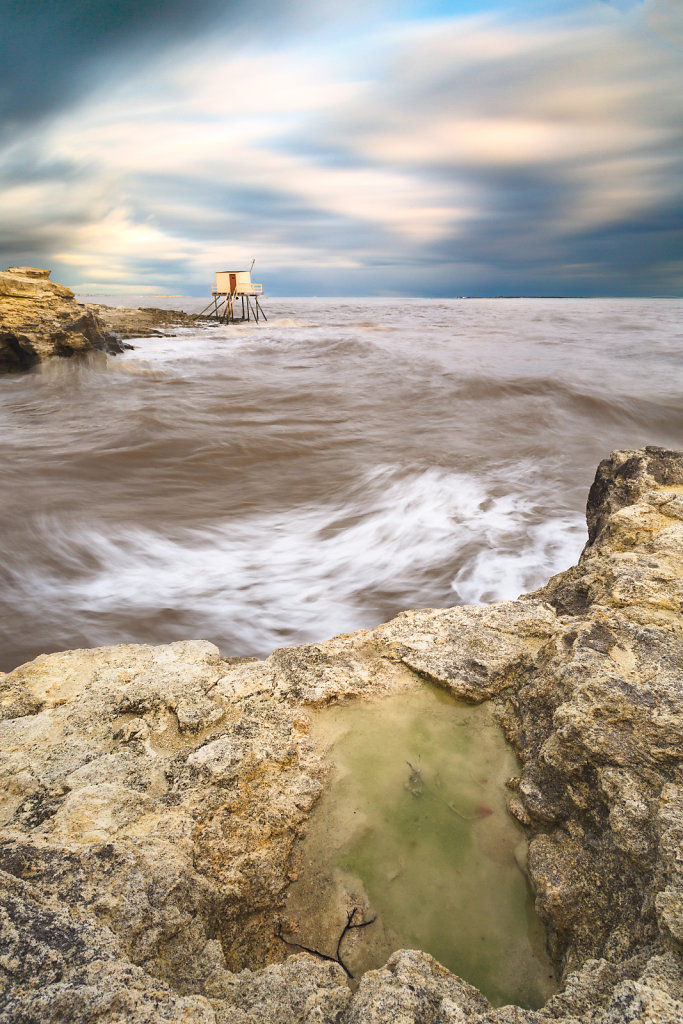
[197,315]
[224,303]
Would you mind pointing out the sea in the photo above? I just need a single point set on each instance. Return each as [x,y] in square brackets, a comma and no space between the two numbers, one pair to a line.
[260,485]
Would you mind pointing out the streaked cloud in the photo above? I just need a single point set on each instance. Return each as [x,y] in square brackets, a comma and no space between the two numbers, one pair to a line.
[471,150]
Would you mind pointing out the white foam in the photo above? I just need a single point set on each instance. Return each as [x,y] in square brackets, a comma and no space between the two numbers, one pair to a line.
[259,582]
[286,321]
[508,567]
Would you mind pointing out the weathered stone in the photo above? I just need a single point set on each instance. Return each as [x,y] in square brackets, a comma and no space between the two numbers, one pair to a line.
[635,1003]
[479,652]
[299,990]
[40,319]
[150,798]
[56,967]
[414,988]
[147,322]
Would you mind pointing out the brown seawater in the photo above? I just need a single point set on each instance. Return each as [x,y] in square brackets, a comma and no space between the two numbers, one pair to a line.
[412,834]
[263,485]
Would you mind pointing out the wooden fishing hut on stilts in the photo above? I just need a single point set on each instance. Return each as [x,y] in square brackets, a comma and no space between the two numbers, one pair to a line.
[235,297]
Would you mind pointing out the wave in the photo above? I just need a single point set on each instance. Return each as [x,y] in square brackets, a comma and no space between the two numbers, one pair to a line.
[272,483]
[288,321]
[600,407]
[267,580]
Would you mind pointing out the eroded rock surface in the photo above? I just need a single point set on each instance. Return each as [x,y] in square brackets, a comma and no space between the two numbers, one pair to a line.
[146,322]
[150,798]
[40,319]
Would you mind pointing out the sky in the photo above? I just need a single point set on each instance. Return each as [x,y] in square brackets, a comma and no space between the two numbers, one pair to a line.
[391,147]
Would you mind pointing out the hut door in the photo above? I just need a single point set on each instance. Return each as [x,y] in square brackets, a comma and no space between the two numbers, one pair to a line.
[233,282]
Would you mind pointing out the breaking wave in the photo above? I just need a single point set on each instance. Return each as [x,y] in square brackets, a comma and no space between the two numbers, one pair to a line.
[276,483]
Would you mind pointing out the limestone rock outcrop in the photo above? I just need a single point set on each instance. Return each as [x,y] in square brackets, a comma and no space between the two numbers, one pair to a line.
[151,798]
[40,319]
[146,322]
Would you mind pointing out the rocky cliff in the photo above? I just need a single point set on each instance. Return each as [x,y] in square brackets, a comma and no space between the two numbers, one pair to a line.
[151,798]
[40,320]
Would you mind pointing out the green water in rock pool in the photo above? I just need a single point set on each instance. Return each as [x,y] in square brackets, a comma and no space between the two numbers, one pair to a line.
[413,831]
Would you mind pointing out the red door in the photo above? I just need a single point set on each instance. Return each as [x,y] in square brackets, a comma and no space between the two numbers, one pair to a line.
[233,282]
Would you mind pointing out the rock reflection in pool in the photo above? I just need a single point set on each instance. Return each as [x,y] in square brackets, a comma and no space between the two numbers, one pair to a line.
[413,831]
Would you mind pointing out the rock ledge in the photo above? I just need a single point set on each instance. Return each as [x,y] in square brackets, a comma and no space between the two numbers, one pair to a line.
[151,797]
[40,320]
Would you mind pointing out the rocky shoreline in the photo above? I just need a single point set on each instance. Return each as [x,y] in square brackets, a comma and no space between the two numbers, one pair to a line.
[151,798]
[42,320]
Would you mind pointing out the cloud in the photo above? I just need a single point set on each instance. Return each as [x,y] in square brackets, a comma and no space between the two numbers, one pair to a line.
[552,130]
[665,17]
[52,51]
[448,154]
[49,51]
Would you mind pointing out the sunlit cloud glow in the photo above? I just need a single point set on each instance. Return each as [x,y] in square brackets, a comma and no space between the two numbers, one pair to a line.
[476,152]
